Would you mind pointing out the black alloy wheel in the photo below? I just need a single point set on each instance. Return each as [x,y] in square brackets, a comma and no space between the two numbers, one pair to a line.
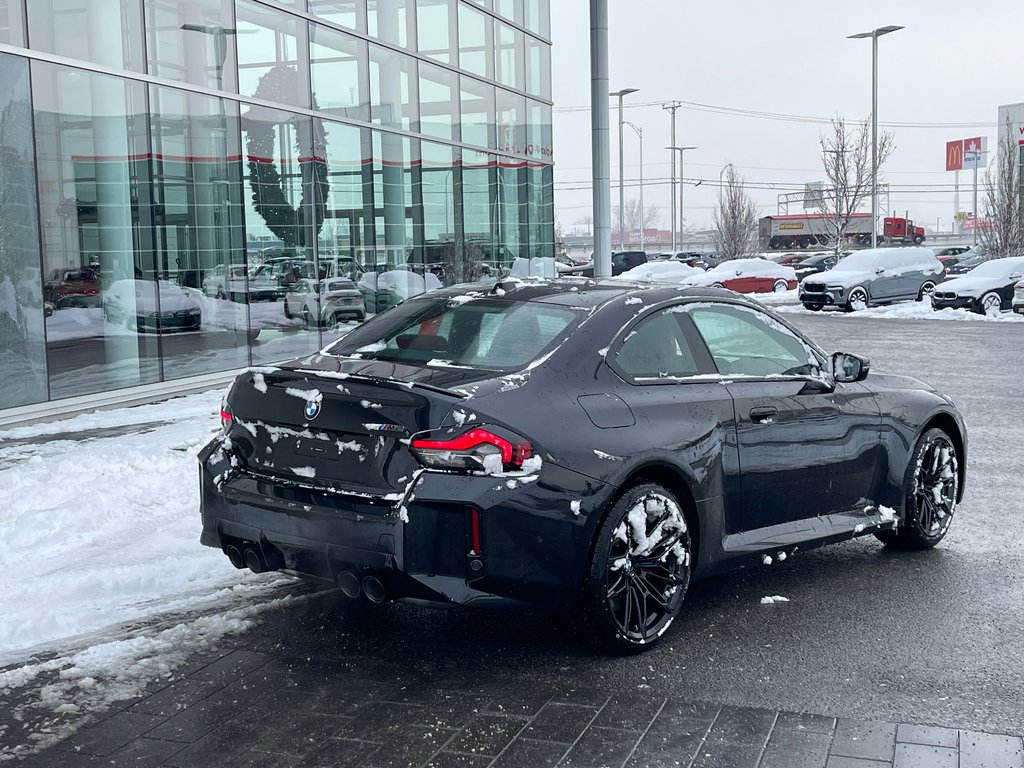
[927,289]
[639,571]
[990,304]
[931,486]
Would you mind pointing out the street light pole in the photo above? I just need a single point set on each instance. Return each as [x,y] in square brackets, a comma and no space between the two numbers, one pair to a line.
[640,135]
[672,209]
[874,35]
[682,186]
[622,231]
[599,145]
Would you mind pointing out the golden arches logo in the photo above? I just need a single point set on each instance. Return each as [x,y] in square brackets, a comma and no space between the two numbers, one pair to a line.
[954,155]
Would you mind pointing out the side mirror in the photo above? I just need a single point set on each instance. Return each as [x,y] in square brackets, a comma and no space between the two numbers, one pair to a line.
[879,270]
[848,368]
[1015,276]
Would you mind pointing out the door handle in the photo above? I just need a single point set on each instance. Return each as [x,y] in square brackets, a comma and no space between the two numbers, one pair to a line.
[763,415]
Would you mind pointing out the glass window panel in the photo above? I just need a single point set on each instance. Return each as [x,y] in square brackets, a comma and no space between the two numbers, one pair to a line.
[538,17]
[198,230]
[12,22]
[392,21]
[101,31]
[476,42]
[272,52]
[538,68]
[346,242]
[338,65]
[286,191]
[510,9]
[512,126]
[478,210]
[438,252]
[513,190]
[439,102]
[101,277]
[393,82]
[477,113]
[657,348]
[508,55]
[488,4]
[22,342]
[350,14]
[539,132]
[393,184]
[540,203]
[435,22]
[193,42]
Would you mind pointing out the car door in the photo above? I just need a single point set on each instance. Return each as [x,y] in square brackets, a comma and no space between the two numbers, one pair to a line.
[807,446]
[679,408]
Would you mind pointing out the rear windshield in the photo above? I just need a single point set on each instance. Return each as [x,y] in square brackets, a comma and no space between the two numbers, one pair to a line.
[481,333]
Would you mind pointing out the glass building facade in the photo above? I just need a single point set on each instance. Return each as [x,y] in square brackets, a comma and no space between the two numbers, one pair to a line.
[182,180]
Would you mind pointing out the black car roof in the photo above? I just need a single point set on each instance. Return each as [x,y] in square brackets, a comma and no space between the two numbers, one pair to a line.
[589,292]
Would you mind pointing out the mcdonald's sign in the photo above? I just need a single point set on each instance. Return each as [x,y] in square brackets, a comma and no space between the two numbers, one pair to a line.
[955,155]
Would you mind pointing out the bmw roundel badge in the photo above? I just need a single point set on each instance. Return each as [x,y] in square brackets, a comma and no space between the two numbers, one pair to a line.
[312,409]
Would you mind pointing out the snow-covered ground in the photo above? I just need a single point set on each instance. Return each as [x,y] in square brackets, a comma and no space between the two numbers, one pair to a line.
[788,302]
[98,538]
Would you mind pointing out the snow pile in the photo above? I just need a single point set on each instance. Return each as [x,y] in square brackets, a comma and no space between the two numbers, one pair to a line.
[774,599]
[660,271]
[911,310]
[94,533]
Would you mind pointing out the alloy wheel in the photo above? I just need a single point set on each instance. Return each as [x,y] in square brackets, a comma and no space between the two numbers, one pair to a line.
[780,286]
[926,291]
[936,482]
[991,304]
[647,568]
[858,300]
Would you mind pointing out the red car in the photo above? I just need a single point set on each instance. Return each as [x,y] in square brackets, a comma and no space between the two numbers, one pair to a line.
[748,276]
[72,288]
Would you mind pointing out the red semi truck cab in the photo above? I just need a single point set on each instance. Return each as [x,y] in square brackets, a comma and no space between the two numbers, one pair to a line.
[901,230]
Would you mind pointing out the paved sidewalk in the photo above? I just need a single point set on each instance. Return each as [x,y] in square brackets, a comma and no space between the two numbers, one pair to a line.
[286,695]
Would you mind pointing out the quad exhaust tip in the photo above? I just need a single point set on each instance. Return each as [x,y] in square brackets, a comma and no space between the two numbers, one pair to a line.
[235,556]
[374,590]
[254,561]
[350,585]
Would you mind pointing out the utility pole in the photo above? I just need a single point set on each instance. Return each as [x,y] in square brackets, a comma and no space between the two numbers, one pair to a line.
[672,108]
[640,135]
[622,202]
[600,142]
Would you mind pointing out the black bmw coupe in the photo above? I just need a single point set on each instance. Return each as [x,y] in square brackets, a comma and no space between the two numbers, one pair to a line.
[571,445]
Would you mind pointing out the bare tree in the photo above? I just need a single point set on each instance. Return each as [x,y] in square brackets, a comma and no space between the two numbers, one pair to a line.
[735,219]
[1003,234]
[633,218]
[587,222]
[846,156]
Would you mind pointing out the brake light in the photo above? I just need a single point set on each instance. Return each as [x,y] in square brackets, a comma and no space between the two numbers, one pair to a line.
[225,418]
[473,450]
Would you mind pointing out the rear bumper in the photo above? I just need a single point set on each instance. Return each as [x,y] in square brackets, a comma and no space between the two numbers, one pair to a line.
[534,549]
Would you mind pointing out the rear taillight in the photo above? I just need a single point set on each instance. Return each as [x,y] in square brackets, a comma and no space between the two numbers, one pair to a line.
[225,418]
[477,449]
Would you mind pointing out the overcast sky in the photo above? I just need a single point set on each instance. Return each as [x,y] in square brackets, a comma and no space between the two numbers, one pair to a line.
[954,64]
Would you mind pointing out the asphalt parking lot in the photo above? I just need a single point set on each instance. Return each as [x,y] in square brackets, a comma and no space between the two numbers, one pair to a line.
[868,636]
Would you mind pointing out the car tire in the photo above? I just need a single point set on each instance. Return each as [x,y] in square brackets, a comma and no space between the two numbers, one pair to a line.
[990,304]
[634,587]
[857,300]
[927,288]
[287,315]
[814,307]
[932,473]
[308,318]
[918,239]
[780,286]
[717,285]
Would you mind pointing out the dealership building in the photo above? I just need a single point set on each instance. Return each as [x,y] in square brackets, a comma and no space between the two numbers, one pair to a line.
[188,186]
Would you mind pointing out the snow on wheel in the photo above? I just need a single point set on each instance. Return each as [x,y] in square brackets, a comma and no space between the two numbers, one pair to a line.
[857,301]
[927,289]
[780,286]
[931,490]
[639,571]
[991,304]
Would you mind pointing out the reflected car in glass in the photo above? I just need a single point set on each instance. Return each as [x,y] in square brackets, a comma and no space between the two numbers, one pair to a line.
[1018,298]
[571,446]
[987,289]
[327,303]
[73,288]
[232,282]
[152,305]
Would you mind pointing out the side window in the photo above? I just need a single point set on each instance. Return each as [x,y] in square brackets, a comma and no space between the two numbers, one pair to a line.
[744,342]
[656,348]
